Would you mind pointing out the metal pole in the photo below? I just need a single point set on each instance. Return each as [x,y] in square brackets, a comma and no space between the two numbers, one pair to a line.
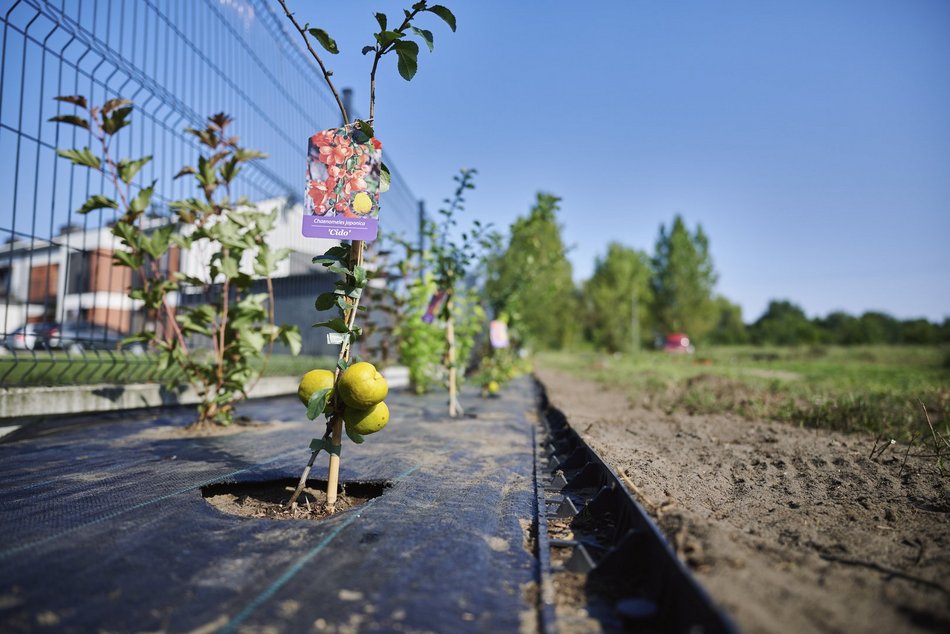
[422,238]
[347,98]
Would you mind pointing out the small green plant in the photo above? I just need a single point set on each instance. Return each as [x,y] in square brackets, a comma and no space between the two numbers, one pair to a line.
[451,261]
[347,260]
[498,366]
[238,324]
[421,343]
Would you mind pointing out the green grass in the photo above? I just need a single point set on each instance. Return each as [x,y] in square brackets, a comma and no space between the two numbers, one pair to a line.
[56,368]
[879,389]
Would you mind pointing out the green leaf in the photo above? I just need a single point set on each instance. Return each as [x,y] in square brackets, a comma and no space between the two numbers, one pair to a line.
[325,301]
[385,178]
[445,14]
[97,202]
[124,258]
[290,335]
[337,325]
[252,339]
[76,100]
[407,51]
[229,267]
[368,49]
[339,270]
[71,119]
[244,154]
[118,120]
[129,168]
[229,170]
[381,19]
[318,402]
[325,40]
[189,279]
[360,276]
[425,35]
[81,157]
[206,174]
[142,337]
[365,128]
[112,104]
[193,324]
[339,253]
[156,244]
[188,169]
[385,38]
[352,435]
[207,137]
[141,202]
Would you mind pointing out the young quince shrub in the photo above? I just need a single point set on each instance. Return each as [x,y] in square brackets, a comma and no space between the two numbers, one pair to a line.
[421,343]
[499,366]
[347,260]
[236,324]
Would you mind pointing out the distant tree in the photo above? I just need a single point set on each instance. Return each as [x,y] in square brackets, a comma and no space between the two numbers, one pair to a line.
[879,328]
[944,331]
[729,328]
[621,281]
[530,280]
[682,282]
[919,331]
[839,328]
[783,324]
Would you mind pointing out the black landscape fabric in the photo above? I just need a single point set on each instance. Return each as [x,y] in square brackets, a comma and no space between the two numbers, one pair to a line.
[105,528]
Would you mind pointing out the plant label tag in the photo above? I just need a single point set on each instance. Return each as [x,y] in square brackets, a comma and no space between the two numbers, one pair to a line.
[343,185]
[337,338]
[498,334]
[435,305]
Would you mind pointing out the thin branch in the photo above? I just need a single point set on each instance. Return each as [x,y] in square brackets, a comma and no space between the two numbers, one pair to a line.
[303,480]
[380,51]
[932,430]
[113,171]
[326,73]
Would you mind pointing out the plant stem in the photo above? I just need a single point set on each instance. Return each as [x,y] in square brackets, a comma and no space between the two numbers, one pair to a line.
[326,73]
[380,51]
[303,480]
[113,172]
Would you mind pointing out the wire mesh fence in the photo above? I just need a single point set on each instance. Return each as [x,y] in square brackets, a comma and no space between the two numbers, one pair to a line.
[64,308]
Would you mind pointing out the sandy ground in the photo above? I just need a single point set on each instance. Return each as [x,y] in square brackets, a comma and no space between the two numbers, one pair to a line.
[789,529]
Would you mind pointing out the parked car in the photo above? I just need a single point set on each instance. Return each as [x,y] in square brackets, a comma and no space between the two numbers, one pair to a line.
[677,342]
[76,337]
[25,337]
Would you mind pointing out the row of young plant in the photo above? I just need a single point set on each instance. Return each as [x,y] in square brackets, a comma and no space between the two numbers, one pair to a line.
[222,344]
[430,315]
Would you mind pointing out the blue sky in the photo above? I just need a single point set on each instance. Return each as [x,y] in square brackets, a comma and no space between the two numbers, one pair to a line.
[810,139]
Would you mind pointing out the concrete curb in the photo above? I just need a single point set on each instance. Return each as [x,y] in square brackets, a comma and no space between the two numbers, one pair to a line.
[21,402]
[18,402]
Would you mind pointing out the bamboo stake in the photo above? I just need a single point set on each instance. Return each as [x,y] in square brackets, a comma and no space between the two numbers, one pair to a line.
[336,437]
[454,407]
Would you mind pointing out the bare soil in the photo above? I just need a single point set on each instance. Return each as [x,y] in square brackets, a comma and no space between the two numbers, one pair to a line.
[789,529]
[267,500]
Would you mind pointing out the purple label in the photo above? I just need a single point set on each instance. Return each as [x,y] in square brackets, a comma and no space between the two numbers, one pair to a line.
[340,228]
[343,180]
